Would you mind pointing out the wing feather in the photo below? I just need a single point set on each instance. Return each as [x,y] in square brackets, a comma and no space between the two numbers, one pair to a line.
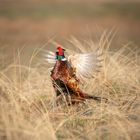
[50,57]
[87,65]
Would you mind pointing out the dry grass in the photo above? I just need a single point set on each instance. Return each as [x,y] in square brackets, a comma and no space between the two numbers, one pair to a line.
[27,100]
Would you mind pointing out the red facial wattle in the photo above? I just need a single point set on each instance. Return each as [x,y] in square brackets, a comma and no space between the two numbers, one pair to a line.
[60,51]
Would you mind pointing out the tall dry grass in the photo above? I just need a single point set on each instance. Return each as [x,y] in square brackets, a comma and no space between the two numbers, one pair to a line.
[27,99]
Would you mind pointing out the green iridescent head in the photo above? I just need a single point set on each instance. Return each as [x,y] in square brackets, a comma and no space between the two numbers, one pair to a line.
[59,57]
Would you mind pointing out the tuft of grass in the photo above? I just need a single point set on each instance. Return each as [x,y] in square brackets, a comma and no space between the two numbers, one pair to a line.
[27,99]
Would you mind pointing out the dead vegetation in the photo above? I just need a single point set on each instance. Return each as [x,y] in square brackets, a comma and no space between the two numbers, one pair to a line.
[28,109]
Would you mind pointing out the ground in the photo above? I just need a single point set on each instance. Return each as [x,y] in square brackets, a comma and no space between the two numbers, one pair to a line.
[28,107]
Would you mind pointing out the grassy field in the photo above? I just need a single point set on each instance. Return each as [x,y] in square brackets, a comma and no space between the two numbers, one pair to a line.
[27,99]
[28,109]
[65,10]
[33,22]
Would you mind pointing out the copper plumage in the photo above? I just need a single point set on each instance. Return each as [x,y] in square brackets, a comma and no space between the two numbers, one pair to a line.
[66,83]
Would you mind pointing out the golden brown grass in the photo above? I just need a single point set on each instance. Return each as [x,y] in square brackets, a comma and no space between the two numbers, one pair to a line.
[27,99]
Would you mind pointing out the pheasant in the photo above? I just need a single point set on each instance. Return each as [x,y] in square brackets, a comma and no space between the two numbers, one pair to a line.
[69,72]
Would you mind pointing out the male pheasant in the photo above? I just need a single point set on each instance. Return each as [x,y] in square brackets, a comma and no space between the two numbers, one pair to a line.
[68,73]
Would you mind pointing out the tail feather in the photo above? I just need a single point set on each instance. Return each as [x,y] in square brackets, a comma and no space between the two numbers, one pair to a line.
[95,97]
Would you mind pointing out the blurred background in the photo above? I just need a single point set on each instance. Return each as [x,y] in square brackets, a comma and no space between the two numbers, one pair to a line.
[32,23]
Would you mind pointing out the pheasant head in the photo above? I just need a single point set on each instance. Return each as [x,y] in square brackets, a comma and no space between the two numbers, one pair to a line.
[60,54]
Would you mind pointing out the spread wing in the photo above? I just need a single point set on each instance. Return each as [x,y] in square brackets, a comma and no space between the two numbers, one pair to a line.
[50,57]
[87,65]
